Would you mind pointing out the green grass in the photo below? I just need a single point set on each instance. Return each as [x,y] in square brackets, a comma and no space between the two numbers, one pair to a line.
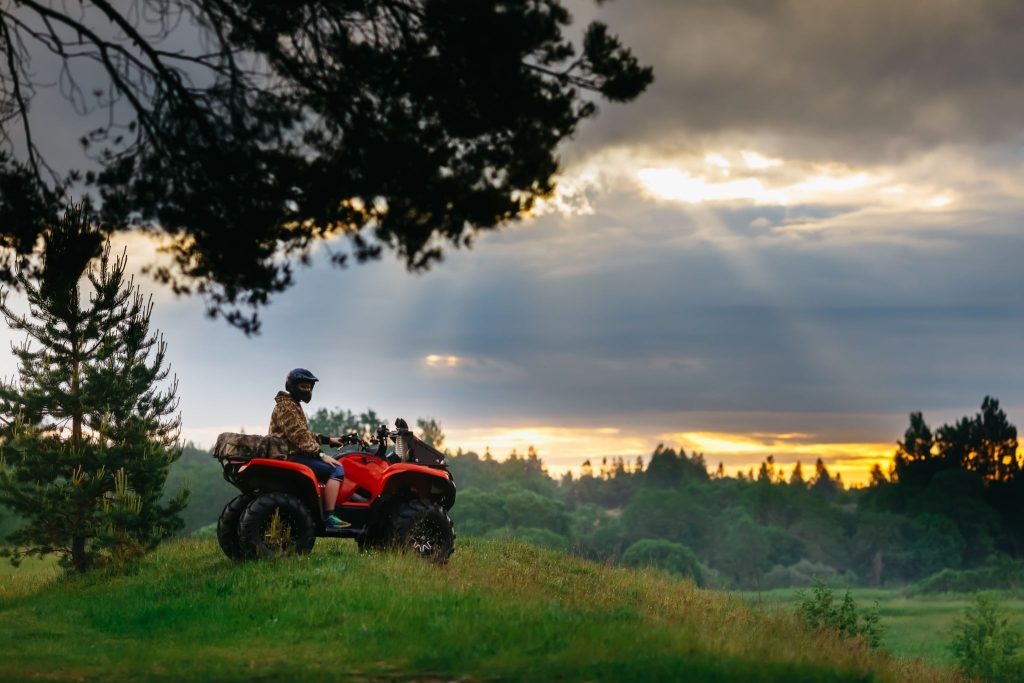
[918,626]
[500,610]
[32,574]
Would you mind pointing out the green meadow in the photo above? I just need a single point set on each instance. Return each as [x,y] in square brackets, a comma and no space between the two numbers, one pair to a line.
[915,626]
[501,610]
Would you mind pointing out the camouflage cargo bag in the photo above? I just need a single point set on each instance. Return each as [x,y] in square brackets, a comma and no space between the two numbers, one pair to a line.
[274,447]
[231,445]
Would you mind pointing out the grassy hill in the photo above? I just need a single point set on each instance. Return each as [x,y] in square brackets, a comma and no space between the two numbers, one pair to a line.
[500,610]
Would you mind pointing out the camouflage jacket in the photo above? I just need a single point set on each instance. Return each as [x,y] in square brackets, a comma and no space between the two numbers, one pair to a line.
[288,421]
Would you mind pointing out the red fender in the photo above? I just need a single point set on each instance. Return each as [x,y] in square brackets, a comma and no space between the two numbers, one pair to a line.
[275,463]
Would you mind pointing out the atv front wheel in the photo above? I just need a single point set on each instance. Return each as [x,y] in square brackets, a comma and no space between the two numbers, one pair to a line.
[425,529]
[277,524]
[227,527]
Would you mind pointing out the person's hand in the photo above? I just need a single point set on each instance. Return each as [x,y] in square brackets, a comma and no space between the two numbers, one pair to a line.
[329,460]
[336,441]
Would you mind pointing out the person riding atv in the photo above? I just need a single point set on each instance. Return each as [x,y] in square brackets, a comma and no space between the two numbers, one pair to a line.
[289,422]
[382,499]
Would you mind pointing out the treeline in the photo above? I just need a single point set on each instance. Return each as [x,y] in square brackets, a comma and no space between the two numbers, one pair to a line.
[950,507]
[672,514]
[948,510]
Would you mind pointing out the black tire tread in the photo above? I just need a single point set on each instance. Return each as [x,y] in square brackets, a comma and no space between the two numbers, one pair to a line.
[258,513]
[411,512]
[227,526]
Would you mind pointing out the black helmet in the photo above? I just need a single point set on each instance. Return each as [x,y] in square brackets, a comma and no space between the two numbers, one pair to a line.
[294,378]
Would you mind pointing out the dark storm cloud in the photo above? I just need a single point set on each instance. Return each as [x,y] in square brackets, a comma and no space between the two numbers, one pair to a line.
[864,80]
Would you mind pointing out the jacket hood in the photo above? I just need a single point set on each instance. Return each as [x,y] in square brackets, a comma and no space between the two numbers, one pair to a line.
[283,396]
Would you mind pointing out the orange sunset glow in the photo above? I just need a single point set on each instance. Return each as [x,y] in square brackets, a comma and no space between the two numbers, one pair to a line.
[564,449]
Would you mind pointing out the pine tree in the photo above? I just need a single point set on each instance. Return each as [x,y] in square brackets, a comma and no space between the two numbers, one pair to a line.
[822,483]
[90,429]
[797,477]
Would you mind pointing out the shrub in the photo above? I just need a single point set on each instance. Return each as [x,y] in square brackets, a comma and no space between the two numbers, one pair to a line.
[820,611]
[986,644]
[674,558]
[1000,573]
[800,574]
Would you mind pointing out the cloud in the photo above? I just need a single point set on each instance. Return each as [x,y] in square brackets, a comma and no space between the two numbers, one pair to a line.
[872,80]
[449,367]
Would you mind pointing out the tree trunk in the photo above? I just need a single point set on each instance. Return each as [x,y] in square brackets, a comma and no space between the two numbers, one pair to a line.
[877,567]
[79,559]
[76,416]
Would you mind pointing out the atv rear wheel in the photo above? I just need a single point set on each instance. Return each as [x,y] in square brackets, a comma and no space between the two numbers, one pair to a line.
[425,529]
[277,524]
[227,527]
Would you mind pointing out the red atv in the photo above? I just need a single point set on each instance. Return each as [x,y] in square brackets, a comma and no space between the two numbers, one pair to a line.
[397,500]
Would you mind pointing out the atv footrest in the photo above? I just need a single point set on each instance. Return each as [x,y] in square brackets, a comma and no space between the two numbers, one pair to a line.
[347,532]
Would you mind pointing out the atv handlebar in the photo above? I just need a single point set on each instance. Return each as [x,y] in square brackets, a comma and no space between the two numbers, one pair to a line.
[381,438]
[352,438]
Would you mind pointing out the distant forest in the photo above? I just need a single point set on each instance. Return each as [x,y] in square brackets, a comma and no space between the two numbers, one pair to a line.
[947,514]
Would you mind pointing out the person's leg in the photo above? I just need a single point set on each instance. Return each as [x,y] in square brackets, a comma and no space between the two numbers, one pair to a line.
[325,473]
[331,494]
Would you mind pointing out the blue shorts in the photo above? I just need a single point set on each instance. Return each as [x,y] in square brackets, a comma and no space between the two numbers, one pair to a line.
[322,470]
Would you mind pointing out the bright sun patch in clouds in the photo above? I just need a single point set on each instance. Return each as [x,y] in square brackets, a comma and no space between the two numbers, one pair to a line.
[757,161]
[676,185]
[436,360]
[744,176]
[830,185]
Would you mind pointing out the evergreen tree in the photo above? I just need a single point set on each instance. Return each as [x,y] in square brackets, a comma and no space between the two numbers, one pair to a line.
[666,468]
[822,482]
[90,430]
[917,440]
[993,443]
[766,473]
[914,462]
[586,469]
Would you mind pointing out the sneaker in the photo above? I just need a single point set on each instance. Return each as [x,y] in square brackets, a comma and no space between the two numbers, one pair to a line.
[333,523]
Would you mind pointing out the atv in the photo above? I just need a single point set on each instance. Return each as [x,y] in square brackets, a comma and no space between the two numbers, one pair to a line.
[396,499]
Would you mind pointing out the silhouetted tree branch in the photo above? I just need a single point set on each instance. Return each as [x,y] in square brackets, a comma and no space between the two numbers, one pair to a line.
[246,133]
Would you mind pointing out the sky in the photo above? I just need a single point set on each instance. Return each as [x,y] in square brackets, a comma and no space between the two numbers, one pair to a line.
[808,227]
